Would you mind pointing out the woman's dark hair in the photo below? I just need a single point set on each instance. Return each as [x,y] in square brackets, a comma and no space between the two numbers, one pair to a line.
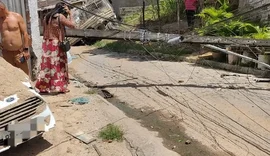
[58,9]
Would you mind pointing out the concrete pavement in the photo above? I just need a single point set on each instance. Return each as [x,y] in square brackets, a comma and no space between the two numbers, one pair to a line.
[229,115]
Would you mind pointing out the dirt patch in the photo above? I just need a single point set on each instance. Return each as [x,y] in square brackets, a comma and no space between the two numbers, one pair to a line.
[168,128]
[11,79]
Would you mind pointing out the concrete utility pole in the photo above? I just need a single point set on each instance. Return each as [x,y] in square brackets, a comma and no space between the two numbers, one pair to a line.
[33,28]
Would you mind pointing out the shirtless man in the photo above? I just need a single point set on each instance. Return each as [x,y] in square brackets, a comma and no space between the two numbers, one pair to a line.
[14,38]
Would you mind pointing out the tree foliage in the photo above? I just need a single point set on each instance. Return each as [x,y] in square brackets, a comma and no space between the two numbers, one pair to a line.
[232,27]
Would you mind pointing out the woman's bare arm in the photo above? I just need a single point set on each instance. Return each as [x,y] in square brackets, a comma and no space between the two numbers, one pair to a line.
[66,22]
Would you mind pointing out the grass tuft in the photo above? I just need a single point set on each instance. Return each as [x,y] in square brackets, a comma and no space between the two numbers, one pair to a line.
[111,132]
[90,92]
[126,46]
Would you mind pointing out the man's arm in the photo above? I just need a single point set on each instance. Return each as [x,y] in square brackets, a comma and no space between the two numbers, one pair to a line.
[25,35]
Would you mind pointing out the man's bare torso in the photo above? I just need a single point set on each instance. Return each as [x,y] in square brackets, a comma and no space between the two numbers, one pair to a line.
[10,33]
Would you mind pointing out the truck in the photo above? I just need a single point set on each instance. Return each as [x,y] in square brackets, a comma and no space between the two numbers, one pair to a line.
[24,114]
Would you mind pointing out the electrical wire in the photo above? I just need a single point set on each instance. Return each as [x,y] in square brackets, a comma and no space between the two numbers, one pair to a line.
[195,93]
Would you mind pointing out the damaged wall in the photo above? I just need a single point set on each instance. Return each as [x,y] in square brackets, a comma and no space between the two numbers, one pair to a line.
[261,15]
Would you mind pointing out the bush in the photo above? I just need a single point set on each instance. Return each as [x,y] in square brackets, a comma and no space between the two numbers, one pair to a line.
[232,28]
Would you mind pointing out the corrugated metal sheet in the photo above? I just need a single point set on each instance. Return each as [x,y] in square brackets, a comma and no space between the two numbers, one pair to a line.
[16,6]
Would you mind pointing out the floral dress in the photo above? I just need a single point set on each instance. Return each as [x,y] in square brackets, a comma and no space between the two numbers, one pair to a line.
[53,75]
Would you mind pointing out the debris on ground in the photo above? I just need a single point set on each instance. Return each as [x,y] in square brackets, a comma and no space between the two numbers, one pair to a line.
[97,150]
[84,137]
[106,94]
[69,150]
[188,142]
[261,80]
[206,56]
[77,84]
[65,105]
[79,101]
[180,81]
[224,75]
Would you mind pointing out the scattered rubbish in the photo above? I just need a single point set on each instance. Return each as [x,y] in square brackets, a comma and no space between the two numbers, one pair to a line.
[261,80]
[69,150]
[65,105]
[97,150]
[188,142]
[74,57]
[69,57]
[90,92]
[173,147]
[74,80]
[219,89]
[231,87]
[142,110]
[106,94]
[79,101]
[224,75]
[152,127]
[180,81]
[162,93]
[85,138]
[77,86]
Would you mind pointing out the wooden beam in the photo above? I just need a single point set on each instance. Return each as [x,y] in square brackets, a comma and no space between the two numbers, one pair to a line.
[155,37]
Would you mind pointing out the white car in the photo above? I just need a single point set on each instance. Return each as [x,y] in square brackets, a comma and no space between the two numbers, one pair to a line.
[23,112]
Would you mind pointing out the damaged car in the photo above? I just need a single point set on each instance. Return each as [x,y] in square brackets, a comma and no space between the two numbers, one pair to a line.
[24,114]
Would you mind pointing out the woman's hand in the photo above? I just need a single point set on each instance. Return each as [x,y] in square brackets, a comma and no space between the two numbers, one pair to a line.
[67,10]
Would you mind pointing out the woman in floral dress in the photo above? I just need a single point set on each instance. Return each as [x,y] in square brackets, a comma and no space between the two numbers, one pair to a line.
[53,76]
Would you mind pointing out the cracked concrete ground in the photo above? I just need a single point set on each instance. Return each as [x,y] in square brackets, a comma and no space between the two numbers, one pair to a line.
[229,115]
[90,119]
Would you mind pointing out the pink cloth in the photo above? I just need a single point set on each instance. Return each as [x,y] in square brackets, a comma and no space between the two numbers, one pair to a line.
[190,4]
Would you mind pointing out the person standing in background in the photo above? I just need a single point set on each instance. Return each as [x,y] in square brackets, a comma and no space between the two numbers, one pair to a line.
[191,7]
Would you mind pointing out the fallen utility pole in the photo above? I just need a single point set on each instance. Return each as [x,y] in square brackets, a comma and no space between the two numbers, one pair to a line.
[235,54]
[143,35]
[219,40]
[140,35]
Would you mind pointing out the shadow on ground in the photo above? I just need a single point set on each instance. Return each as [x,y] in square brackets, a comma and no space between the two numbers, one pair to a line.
[31,148]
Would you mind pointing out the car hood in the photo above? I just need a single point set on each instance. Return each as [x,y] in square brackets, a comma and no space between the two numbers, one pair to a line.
[13,82]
